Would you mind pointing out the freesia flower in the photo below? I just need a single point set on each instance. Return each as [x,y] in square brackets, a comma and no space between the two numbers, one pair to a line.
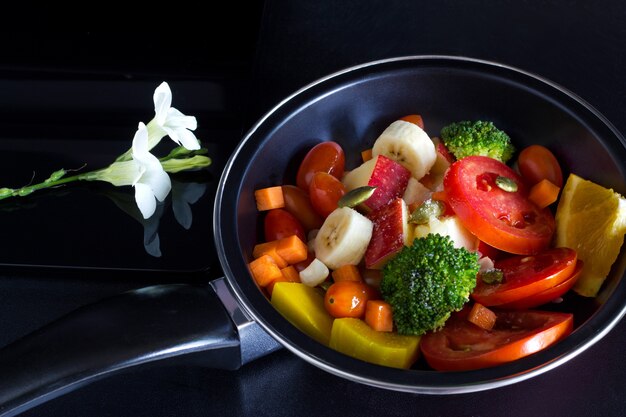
[168,121]
[143,171]
[137,166]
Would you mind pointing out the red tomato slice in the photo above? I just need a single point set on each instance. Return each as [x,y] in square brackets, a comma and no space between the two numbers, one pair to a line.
[462,346]
[547,295]
[503,219]
[525,276]
[324,157]
[280,223]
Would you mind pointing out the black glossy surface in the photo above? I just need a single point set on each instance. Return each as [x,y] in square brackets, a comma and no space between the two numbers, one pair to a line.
[132,329]
[577,44]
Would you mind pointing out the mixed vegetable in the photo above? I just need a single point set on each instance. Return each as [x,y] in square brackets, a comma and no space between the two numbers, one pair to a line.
[433,246]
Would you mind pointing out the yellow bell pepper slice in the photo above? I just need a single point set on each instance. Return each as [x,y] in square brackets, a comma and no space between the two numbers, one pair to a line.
[304,307]
[356,338]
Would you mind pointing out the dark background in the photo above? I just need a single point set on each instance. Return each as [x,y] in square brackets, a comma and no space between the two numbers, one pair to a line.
[258,54]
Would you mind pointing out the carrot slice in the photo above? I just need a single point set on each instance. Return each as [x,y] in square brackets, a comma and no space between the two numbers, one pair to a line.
[264,270]
[269,248]
[482,316]
[544,193]
[416,119]
[347,273]
[366,155]
[269,198]
[292,249]
[379,316]
[290,274]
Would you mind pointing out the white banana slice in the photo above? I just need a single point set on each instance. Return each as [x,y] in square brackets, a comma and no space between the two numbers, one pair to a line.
[343,238]
[314,274]
[409,145]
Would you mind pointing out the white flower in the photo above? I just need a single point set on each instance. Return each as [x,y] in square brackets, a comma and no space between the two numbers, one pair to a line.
[143,171]
[168,121]
[152,181]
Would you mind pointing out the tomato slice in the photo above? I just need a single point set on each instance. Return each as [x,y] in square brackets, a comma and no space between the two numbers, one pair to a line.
[525,276]
[506,220]
[462,346]
[548,295]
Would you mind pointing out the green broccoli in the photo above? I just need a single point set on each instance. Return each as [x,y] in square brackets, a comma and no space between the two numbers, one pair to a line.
[427,281]
[477,138]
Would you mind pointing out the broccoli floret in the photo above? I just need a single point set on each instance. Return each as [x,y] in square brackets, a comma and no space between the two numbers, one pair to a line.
[427,281]
[468,138]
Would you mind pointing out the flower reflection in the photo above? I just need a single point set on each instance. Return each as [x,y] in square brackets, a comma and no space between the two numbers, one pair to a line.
[183,195]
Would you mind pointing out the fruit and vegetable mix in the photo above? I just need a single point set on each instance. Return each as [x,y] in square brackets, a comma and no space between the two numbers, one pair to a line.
[447,247]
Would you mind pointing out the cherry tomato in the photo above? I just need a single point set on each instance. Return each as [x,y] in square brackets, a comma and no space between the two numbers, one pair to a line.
[324,192]
[547,295]
[504,219]
[526,276]
[280,223]
[347,299]
[416,119]
[536,163]
[297,202]
[324,157]
[462,346]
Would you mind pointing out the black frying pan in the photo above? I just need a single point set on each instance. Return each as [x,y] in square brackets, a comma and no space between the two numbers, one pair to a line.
[350,107]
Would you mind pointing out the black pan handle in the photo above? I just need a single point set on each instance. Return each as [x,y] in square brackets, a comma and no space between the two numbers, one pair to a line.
[198,324]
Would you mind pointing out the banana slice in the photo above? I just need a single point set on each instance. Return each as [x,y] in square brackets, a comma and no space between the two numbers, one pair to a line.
[409,145]
[343,238]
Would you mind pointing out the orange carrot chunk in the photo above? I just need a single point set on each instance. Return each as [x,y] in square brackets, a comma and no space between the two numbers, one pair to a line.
[264,270]
[366,155]
[482,316]
[269,198]
[544,193]
[269,248]
[292,249]
[262,248]
[290,274]
[379,316]
[347,273]
[416,119]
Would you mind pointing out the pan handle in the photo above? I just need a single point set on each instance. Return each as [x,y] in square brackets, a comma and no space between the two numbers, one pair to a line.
[142,326]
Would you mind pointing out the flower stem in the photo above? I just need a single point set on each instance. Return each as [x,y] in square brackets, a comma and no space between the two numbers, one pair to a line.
[48,183]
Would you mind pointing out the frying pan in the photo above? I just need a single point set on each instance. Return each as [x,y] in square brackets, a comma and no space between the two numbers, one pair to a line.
[230,322]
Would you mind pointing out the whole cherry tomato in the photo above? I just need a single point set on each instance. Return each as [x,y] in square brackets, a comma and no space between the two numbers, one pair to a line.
[324,157]
[347,299]
[324,192]
[416,119]
[297,202]
[536,163]
[280,223]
